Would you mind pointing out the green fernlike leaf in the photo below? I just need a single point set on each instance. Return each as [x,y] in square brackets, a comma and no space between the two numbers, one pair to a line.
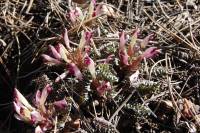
[106,73]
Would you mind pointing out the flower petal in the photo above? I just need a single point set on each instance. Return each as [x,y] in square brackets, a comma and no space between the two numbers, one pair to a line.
[18,117]
[85,39]
[109,58]
[45,92]
[133,42]
[98,10]
[37,97]
[36,117]
[75,15]
[105,86]
[38,130]
[91,9]
[60,104]
[105,10]
[66,39]
[146,41]
[18,97]
[54,52]
[91,66]
[122,50]
[61,77]
[150,52]
[74,70]
[25,114]
[49,60]
[63,52]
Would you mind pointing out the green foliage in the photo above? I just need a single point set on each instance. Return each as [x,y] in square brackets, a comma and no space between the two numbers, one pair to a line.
[147,87]
[104,71]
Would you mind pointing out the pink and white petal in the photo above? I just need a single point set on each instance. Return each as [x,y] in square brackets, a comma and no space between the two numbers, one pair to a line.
[60,104]
[105,86]
[54,52]
[61,77]
[74,70]
[91,9]
[17,107]
[91,66]
[66,39]
[82,41]
[146,41]
[72,16]
[78,12]
[98,10]
[122,49]
[85,39]
[122,41]
[49,60]
[45,92]
[88,37]
[36,117]
[75,15]
[150,52]
[109,58]
[25,114]
[18,117]
[37,97]
[124,57]
[133,42]
[63,52]
[38,130]
[21,99]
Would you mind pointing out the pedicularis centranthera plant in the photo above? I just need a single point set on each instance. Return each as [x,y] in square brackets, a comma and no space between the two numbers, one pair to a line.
[77,62]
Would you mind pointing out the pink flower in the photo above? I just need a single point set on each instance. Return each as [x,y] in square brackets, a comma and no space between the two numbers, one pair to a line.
[38,130]
[50,60]
[24,110]
[75,15]
[66,39]
[74,70]
[104,86]
[103,9]
[85,39]
[150,52]
[98,10]
[36,116]
[60,104]
[19,99]
[63,52]
[146,41]
[58,54]
[90,65]
[126,59]
[54,52]
[122,49]
[91,12]
[41,97]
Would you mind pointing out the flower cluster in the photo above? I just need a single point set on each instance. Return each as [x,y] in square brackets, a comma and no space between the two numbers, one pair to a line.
[129,58]
[76,60]
[39,116]
[76,15]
